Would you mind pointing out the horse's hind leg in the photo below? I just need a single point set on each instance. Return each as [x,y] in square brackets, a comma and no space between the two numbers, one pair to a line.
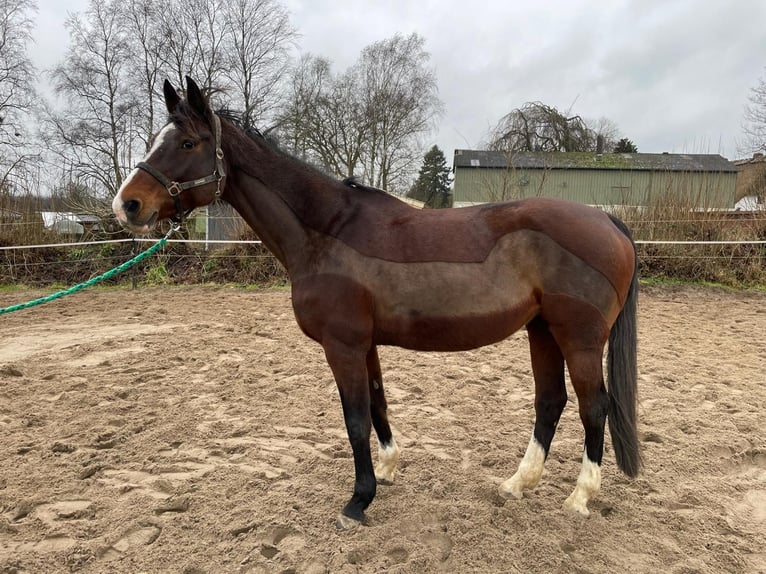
[550,399]
[586,372]
[388,450]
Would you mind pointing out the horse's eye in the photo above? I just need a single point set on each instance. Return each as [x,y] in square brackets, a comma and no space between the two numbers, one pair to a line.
[187,144]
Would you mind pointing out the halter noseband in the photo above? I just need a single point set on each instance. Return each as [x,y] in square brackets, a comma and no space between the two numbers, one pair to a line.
[174,188]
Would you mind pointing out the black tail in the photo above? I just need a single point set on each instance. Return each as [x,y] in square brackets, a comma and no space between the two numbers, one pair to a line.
[622,375]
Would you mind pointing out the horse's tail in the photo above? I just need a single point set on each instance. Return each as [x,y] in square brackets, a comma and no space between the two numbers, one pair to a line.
[622,375]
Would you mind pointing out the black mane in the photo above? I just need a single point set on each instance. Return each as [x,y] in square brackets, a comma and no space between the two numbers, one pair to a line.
[354,183]
[252,131]
[235,118]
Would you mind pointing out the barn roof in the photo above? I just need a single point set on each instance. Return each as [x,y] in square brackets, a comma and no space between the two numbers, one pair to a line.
[591,160]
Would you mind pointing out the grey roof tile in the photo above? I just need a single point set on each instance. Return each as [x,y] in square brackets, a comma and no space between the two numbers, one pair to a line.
[591,160]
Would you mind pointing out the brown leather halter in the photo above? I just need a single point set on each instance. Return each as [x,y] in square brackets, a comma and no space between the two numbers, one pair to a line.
[175,188]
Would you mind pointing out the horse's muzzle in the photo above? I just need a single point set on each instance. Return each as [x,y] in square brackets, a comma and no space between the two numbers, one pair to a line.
[128,212]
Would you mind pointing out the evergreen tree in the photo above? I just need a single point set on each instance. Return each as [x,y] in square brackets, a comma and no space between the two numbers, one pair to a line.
[433,184]
[625,146]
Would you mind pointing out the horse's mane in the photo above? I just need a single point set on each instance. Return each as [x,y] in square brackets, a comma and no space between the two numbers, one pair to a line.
[353,183]
[266,137]
[249,130]
[184,114]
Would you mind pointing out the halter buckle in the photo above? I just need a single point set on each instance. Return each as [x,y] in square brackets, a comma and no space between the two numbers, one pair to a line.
[218,190]
[174,188]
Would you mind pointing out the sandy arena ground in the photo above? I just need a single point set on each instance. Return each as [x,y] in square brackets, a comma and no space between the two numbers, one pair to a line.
[196,430]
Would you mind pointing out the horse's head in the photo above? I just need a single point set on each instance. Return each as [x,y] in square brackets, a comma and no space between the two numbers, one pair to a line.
[183,170]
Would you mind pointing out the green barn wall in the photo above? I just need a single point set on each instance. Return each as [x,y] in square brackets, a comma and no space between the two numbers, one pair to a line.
[596,187]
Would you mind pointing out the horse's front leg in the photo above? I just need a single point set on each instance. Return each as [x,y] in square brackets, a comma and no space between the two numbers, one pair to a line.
[350,370]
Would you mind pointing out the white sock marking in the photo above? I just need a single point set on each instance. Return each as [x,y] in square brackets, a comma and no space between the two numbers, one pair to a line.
[529,473]
[388,457]
[588,485]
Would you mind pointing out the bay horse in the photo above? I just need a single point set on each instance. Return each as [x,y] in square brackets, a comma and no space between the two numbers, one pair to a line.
[367,269]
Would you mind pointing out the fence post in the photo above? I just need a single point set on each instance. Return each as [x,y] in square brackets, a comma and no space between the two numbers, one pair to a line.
[133,279]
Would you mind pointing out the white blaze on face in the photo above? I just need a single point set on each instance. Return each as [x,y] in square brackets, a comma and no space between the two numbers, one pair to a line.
[117,202]
[159,142]
[529,473]
[588,485]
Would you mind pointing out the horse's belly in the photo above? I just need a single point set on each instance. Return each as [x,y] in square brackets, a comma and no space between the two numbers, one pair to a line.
[452,332]
[449,306]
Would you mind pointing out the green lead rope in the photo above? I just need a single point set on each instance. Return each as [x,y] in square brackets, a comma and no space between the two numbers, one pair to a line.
[90,282]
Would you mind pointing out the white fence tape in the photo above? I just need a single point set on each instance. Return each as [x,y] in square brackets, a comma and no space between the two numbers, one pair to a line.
[257,242]
[137,239]
[652,242]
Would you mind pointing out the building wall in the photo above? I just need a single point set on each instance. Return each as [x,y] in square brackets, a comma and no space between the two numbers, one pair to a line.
[751,179]
[219,222]
[595,187]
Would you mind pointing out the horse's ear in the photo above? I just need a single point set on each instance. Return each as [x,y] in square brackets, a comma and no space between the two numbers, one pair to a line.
[171,96]
[195,98]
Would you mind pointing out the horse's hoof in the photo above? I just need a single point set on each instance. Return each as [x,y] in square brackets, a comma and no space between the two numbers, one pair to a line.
[510,490]
[384,475]
[344,522]
[576,507]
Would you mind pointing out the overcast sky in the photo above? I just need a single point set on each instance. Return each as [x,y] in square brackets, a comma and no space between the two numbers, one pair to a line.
[673,75]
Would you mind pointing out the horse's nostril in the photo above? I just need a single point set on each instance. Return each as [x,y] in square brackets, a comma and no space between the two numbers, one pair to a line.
[132,206]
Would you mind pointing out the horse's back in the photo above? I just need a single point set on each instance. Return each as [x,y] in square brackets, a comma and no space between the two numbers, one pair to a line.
[461,278]
[397,232]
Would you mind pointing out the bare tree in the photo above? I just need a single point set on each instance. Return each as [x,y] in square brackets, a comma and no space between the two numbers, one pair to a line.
[121,50]
[259,35]
[179,56]
[147,44]
[347,127]
[194,31]
[606,130]
[401,104]
[371,117]
[324,120]
[93,131]
[754,126]
[538,127]
[310,79]
[17,95]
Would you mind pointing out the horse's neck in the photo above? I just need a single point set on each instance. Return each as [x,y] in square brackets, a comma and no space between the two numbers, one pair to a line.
[272,201]
[270,218]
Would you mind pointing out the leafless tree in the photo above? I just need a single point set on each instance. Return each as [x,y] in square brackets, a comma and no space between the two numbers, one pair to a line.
[194,31]
[309,80]
[324,121]
[93,131]
[119,53]
[605,129]
[347,128]
[147,44]
[401,104]
[538,127]
[754,126]
[369,118]
[17,95]
[256,53]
